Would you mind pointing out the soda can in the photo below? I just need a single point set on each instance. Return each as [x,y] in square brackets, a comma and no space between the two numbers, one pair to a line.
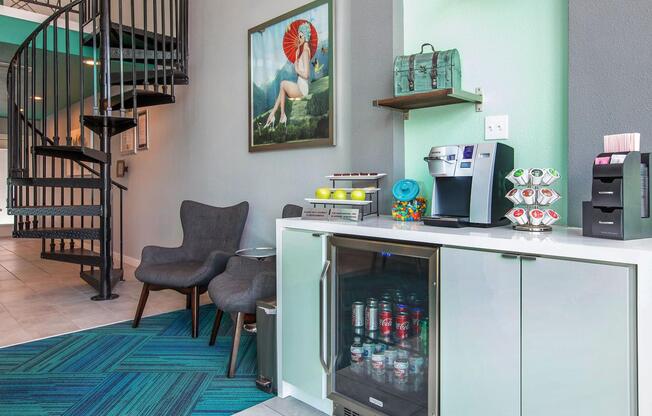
[371,315]
[368,350]
[380,347]
[357,353]
[402,325]
[378,363]
[386,322]
[416,314]
[401,307]
[358,314]
[424,325]
[401,367]
[416,364]
[372,335]
[390,356]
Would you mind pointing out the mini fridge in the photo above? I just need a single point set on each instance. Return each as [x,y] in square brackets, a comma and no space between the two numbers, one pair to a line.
[379,328]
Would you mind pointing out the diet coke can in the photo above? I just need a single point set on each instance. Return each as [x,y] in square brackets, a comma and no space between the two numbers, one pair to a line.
[386,321]
[416,315]
[371,315]
[357,315]
[402,325]
[357,353]
[401,367]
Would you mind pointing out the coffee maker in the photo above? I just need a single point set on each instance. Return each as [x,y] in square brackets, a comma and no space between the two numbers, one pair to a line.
[469,185]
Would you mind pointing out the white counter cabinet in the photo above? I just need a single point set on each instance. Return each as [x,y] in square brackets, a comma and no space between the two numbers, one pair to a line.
[533,336]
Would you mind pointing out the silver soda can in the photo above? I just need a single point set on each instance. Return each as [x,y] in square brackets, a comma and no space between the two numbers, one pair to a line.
[357,314]
[416,363]
[357,353]
[378,363]
[390,356]
[401,367]
[368,349]
[371,315]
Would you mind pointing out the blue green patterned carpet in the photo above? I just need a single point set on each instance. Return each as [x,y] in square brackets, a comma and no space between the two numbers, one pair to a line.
[157,369]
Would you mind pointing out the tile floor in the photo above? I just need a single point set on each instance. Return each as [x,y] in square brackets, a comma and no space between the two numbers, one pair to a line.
[288,406]
[41,298]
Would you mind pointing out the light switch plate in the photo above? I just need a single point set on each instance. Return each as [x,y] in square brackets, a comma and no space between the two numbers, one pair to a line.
[496,127]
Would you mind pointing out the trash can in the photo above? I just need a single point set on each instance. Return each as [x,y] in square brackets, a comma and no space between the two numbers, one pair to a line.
[266,345]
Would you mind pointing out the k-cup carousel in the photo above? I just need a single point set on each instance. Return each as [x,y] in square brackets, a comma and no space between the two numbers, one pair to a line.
[532,198]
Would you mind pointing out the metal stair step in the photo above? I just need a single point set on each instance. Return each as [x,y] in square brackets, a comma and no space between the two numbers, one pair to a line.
[82,154]
[160,76]
[116,125]
[93,277]
[140,36]
[57,210]
[82,183]
[144,98]
[138,56]
[66,233]
[75,256]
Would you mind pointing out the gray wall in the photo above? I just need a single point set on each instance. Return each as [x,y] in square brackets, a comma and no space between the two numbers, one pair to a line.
[199,145]
[610,81]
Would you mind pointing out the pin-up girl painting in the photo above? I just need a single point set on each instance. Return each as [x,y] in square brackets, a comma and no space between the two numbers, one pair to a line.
[291,80]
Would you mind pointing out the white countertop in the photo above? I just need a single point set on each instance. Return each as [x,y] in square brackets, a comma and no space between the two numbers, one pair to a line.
[562,242]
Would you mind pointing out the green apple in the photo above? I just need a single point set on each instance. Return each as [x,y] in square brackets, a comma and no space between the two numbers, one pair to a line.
[339,194]
[358,195]
[323,193]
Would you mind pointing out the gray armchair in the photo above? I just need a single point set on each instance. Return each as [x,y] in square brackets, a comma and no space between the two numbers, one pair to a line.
[236,291]
[211,235]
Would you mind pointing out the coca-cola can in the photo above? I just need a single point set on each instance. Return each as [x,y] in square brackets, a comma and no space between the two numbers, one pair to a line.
[402,325]
[357,314]
[416,315]
[371,314]
[386,321]
[378,363]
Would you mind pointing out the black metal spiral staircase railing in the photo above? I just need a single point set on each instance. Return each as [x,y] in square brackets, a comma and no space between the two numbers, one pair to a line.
[77,81]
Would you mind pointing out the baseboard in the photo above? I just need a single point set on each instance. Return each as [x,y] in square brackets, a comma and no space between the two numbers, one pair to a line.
[131,261]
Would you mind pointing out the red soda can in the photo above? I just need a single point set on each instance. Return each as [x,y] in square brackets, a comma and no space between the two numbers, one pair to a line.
[385,321]
[416,315]
[402,325]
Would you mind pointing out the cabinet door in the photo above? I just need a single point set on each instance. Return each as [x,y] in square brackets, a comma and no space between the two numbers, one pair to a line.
[480,333]
[578,339]
[303,257]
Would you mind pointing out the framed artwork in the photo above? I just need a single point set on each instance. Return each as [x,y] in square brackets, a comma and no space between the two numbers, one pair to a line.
[143,130]
[121,168]
[128,142]
[291,88]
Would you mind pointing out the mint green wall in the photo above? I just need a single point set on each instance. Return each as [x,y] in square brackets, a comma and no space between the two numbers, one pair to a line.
[517,51]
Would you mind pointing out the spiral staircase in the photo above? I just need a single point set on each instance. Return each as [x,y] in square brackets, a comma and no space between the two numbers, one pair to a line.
[75,83]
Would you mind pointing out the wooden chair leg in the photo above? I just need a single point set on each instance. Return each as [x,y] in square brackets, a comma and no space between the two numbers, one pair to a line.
[239,322]
[188,301]
[216,326]
[194,304]
[144,294]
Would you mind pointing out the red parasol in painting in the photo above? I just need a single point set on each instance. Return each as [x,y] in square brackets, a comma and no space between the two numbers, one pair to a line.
[291,39]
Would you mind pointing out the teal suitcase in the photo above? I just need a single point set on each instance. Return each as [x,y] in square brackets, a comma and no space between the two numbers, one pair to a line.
[424,72]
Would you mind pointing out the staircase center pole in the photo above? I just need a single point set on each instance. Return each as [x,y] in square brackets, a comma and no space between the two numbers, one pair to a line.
[106,252]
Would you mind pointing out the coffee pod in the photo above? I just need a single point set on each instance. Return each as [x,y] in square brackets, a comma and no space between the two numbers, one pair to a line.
[515,196]
[536,176]
[510,215]
[550,217]
[550,176]
[529,196]
[536,217]
[521,176]
[555,197]
[544,196]
[510,177]
[520,216]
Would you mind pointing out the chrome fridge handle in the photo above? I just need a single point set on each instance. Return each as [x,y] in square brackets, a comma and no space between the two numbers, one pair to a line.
[323,325]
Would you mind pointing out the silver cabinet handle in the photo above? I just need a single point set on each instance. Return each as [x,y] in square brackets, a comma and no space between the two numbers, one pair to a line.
[323,326]
[528,258]
[509,256]
[606,222]
[605,193]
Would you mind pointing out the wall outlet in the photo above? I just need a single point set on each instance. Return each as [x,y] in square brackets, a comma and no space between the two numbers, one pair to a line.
[496,127]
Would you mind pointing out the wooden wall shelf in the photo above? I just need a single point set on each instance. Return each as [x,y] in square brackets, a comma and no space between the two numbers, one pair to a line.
[435,98]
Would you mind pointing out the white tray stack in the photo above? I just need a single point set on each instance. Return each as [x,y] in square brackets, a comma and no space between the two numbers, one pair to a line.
[532,198]
[367,207]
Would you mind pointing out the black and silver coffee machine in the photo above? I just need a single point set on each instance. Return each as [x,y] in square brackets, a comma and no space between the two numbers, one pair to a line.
[619,208]
[469,185]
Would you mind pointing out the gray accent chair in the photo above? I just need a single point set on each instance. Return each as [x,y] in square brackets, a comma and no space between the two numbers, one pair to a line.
[211,235]
[236,291]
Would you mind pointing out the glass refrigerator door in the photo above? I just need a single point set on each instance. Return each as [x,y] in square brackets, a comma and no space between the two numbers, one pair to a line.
[384,336]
